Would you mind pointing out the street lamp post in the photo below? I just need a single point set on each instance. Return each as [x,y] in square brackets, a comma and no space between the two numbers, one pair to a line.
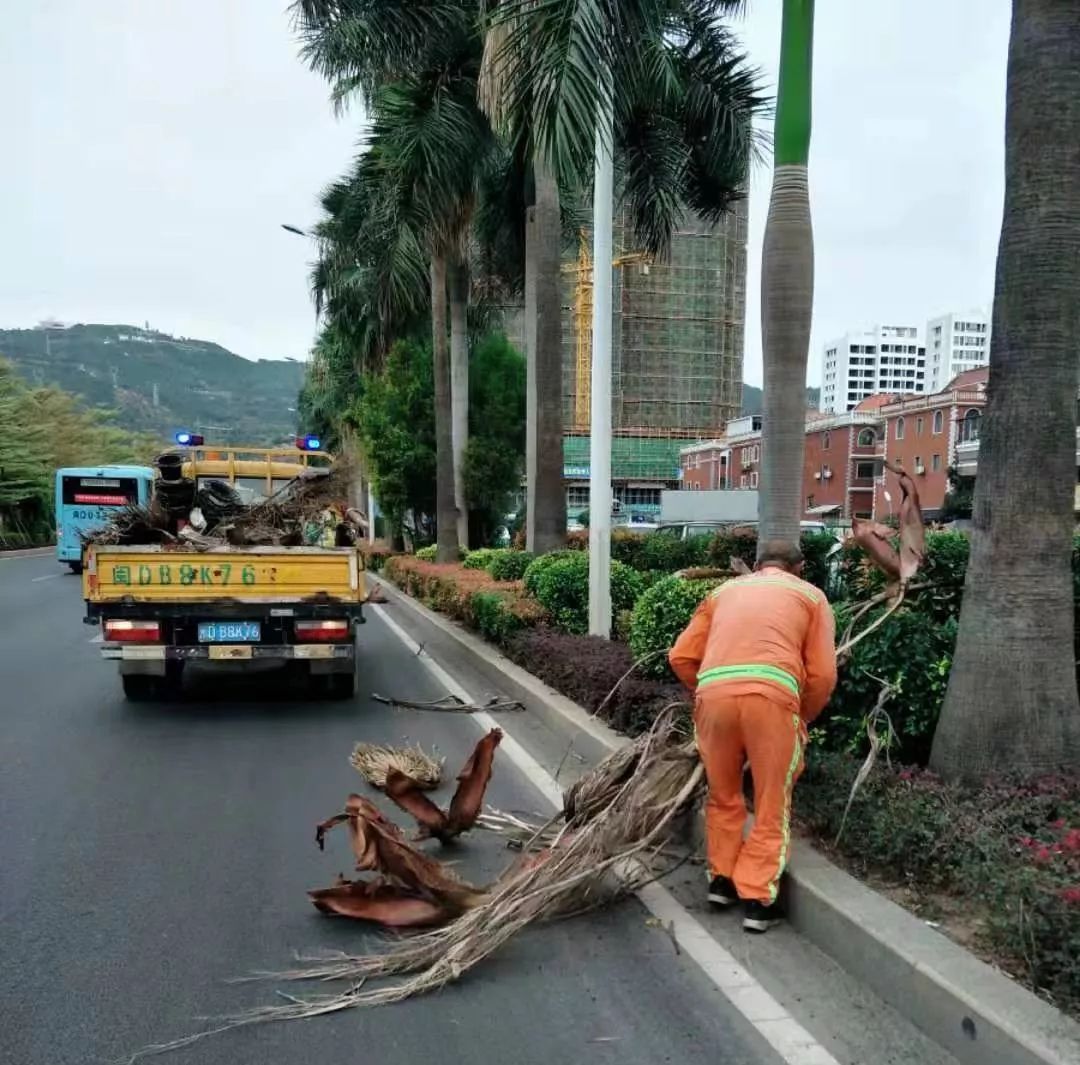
[600,412]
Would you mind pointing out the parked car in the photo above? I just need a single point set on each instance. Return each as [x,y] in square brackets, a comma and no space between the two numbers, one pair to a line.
[685,529]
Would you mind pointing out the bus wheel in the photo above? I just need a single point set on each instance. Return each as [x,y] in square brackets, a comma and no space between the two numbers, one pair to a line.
[139,688]
[75,567]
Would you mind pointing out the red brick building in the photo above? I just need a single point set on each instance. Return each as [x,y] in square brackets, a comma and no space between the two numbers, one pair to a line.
[843,474]
[922,434]
[842,459]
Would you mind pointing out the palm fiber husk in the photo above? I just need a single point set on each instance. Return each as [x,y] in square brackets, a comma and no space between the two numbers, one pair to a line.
[373,761]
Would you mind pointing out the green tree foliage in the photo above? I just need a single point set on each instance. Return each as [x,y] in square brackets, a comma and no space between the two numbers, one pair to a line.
[395,418]
[493,460]
[42,429]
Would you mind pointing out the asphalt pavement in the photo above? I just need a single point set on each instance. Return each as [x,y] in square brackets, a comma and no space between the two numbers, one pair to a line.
[151,852]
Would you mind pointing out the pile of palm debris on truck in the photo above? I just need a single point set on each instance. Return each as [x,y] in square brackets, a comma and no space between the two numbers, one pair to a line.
[311,510]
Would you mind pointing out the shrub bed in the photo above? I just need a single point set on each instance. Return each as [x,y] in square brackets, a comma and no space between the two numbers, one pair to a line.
[586,669]
[1009,851]
[496,609]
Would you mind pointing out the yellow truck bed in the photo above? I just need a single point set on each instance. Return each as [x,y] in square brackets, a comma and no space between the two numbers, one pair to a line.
[158,575]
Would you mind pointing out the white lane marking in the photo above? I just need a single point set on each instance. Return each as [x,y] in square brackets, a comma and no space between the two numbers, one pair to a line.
[784,1033]
[47,577]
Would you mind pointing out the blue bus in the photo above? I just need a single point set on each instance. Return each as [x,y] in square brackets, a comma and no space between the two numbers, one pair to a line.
[85,495]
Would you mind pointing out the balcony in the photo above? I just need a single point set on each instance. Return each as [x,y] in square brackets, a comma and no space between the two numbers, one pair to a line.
[967,456]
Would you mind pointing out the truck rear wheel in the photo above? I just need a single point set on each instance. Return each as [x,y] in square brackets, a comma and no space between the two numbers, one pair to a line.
[341,685]
[139,688]
[75,567]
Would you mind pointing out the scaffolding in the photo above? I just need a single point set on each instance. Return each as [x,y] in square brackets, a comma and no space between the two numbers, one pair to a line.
[677,345]
[677,337]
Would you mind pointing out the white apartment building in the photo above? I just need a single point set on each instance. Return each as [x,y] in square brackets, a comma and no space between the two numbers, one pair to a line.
[955,342]
[887,358]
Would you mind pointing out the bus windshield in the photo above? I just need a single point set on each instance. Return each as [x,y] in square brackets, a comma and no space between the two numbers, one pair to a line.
[86,496]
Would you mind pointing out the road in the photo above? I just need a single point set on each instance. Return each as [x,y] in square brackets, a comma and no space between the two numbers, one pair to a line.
[152,852]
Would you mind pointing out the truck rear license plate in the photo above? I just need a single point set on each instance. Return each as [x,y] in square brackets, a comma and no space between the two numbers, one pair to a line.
[229,632]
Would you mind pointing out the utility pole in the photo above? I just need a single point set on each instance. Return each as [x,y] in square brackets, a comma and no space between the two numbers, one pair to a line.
[600,412]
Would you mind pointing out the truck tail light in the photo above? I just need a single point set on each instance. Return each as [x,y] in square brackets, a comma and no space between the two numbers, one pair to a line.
[132,631]
[322,631]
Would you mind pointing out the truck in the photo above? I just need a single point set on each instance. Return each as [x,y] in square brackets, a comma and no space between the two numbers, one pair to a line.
[163,606]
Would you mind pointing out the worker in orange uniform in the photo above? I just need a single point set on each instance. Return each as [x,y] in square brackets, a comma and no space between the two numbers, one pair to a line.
[760,656]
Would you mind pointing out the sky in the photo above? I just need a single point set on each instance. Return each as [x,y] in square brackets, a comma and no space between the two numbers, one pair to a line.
[151,150]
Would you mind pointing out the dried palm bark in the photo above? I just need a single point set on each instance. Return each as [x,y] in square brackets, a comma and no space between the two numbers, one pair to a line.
[464,806]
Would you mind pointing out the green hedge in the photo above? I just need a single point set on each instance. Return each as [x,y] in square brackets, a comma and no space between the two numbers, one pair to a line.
[481,558]
[660,615]
[909,651]
[510,565]
[536,569]
[427,554]
[561,585]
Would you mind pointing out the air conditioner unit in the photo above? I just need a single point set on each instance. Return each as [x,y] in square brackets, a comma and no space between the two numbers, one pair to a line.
[920,470]
[827,475]
[817,476]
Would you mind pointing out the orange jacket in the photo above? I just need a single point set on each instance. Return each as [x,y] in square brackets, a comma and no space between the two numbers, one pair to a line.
[768,633]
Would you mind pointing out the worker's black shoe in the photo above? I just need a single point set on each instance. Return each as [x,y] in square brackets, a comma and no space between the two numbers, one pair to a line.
[759,917]
[722,891]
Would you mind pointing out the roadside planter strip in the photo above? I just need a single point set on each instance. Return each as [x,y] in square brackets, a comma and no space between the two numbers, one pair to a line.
[966,1006]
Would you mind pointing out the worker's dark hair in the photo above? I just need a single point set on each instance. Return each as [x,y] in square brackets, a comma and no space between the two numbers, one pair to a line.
[779,553]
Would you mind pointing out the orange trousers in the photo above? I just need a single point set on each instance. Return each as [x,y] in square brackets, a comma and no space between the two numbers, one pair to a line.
[731,729]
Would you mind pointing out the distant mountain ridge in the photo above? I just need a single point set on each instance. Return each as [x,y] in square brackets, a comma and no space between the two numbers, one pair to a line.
[159,383]
[751,399]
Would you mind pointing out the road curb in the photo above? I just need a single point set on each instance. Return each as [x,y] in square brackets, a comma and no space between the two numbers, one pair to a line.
[27,552]
[966,1006]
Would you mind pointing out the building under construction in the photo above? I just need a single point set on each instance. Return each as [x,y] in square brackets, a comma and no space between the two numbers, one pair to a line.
[677,353]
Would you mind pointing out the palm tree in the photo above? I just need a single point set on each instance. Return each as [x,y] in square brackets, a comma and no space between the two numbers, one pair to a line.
[684,103]
[1012,696]
[416,67]
[787,282]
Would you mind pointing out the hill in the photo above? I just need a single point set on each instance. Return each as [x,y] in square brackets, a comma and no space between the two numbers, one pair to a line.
[154,382]
[751,399]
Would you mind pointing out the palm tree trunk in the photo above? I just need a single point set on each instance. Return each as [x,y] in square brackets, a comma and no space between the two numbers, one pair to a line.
[1012,696]
[787,283]
[547,516]
[445,510]
[531,248]
[459,387]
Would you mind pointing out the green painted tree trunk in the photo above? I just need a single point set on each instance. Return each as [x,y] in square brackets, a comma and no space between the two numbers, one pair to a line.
[787,283]
[1012,698]
[445,510]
